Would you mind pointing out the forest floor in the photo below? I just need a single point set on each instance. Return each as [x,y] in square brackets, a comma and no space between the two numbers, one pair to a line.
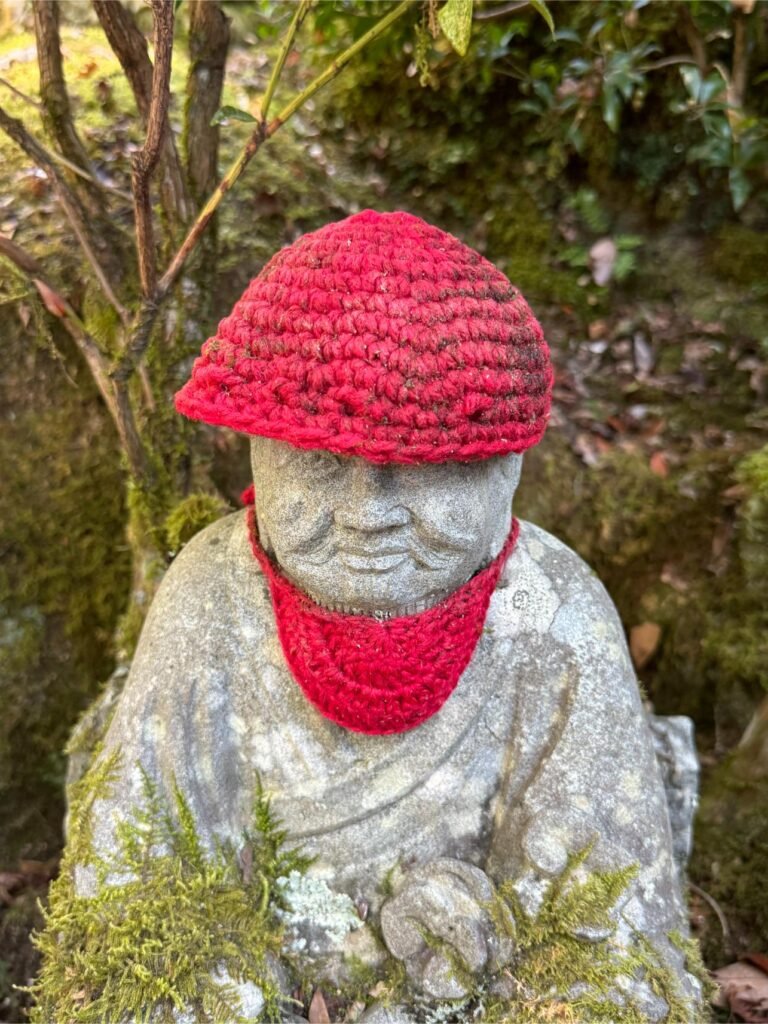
[648,469]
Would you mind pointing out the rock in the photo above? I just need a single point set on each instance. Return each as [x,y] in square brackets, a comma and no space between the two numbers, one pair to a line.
[675,746]
[386,1015]
[449,899]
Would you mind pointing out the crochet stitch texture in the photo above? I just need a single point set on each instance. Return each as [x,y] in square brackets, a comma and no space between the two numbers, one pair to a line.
[378,676]
[383,337]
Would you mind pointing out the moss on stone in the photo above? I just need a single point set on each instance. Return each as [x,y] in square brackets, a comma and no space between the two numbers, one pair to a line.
[191,516]
[740,254]
[64,573]
[170,927]
[730,860]
[557,974]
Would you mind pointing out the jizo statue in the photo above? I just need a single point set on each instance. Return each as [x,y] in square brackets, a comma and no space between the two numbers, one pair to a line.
[437,698]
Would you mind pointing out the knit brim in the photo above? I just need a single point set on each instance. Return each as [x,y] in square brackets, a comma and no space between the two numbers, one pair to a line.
[354,441]
[382,337]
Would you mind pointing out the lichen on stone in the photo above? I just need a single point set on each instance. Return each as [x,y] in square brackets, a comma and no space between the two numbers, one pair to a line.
[310,898]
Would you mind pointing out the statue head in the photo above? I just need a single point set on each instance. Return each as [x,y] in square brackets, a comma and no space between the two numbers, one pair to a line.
[379,539]
[391,377]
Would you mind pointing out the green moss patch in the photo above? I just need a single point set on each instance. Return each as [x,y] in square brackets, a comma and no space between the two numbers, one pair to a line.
[559,975]
[163,939]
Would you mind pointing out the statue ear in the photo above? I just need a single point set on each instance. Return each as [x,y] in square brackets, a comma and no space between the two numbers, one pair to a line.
[511,468]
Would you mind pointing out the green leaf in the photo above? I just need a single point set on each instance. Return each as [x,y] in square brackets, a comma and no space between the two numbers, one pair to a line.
[740,187]
[455,20]
[611,105]
[230,114]
[541,8]
[691,77]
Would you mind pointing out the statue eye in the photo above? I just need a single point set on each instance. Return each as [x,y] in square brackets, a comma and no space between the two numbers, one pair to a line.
[324,465]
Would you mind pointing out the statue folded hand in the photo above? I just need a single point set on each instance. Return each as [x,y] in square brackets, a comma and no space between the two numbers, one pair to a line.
[439,924]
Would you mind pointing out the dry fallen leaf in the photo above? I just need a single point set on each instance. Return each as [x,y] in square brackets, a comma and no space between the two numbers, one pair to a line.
[644,642]
[602,260]
[52,301]
[659,465]
[743,988]
[318,1011]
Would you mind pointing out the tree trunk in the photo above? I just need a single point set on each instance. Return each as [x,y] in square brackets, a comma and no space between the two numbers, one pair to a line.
[208,45]
[55,111]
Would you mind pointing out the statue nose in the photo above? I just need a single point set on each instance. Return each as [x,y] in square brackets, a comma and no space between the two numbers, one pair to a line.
[373,502]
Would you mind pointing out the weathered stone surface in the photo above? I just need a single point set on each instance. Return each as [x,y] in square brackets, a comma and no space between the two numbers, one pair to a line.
[542,750]
[675,748]
[449,898]
[381,540]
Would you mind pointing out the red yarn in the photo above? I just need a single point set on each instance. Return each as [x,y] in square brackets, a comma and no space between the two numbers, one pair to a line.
[379,336]
[379,676]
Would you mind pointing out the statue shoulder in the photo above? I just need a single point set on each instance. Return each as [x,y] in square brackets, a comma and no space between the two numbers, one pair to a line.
[212,597]
[210,548]
[205,570]
[546,587]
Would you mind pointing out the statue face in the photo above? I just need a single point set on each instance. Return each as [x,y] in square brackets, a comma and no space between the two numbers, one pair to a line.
[379,539]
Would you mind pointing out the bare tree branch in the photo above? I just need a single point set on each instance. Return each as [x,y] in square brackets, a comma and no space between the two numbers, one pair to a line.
[694,38]
[130,48]
[145,161]
[147,315]
[20,257]
[55,109]
[20,94]
[302,9]
[119,409]
[740,61]
[69,201]
[208,45]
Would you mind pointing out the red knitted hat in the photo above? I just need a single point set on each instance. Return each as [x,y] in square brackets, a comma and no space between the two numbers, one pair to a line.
[379,336]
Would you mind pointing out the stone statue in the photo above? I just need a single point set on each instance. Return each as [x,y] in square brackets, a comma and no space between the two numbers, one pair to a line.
[437,698]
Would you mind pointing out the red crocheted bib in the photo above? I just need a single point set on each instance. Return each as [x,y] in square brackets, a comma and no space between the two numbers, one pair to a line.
[379,676]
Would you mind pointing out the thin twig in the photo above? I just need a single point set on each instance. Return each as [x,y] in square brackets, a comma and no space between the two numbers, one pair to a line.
[20,94]
[150,307]
[146,160]
[301,12]
[115,399]
[60,158]
[497,10]
[130,48]
[666,62]
[712,902]
[65,313]
[20,257]
[42,158]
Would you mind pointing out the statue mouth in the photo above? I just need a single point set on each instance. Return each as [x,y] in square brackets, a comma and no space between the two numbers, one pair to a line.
[364,560]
